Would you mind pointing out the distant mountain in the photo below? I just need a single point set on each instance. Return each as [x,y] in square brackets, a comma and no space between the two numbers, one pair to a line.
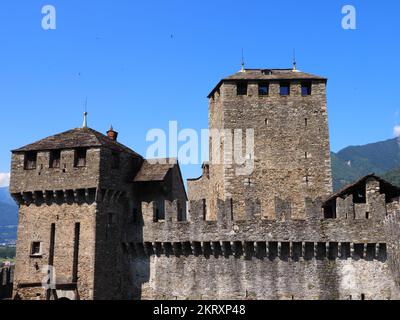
[8,209]
[393,177]
[342,172]
[8,214]
[357,161]
[8,234]
[5,196]
[8,217]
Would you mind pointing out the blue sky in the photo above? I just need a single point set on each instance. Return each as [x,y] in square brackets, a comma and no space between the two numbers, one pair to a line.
[144,63]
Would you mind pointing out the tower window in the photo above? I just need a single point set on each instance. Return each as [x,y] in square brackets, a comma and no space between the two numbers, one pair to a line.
[80,157]
[55,156]
[263,89]
[204,202]
[30,160]
[180,214]
[330,211]
[241,89]
[305,88]
[285,88]
[115,160]
[35,248]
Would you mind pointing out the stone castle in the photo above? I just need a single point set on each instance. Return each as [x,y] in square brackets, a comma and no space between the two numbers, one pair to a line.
[113,225]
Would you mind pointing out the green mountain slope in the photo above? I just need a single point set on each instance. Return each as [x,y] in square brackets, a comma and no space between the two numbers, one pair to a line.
[378,157]
[393,176]
[356,161]
[342,172]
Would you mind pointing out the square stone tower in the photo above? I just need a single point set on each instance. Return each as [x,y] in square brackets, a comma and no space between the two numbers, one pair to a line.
[287,111]
[72,190]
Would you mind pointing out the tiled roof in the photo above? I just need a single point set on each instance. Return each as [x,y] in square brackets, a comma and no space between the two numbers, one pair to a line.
[76,138]
[157,171]
[268,75]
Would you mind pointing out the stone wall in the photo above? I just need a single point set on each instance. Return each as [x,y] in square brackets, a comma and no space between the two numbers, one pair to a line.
[216,153]
[199,277]
[86,208]
[198,189]
[6,282]
[257,258]
[392,230]
[35,226]
[292,153]
[67,176]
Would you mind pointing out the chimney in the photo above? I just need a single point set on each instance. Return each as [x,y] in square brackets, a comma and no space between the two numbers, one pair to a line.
[113,135]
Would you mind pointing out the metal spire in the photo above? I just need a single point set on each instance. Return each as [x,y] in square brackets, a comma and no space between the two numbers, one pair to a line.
[85,116]
[84,120]
[294,61]
[242,69]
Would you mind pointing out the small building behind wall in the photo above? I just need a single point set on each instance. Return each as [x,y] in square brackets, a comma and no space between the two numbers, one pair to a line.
[370,197]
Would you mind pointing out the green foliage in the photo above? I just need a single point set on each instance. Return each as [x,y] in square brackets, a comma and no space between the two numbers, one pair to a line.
[378,157]
[354,162]
[7,252]
[343,174]
[393,177]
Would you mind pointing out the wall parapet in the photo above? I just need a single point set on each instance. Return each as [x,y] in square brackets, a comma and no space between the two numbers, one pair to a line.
[344,209]
[295,251]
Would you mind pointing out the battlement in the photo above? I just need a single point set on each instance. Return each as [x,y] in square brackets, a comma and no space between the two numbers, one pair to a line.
[295,251]
[69,196]
[172,228]
[37,170]
[370,198]
[375,208]
[197,211]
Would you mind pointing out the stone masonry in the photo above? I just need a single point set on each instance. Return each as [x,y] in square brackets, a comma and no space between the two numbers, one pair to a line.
[291,139]
[98,221]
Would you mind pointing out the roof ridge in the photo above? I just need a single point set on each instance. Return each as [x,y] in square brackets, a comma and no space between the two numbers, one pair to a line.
[76,138]
[109,140]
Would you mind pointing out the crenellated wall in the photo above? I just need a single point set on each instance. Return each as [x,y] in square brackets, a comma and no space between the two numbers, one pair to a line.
[66,176]
[256,258]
